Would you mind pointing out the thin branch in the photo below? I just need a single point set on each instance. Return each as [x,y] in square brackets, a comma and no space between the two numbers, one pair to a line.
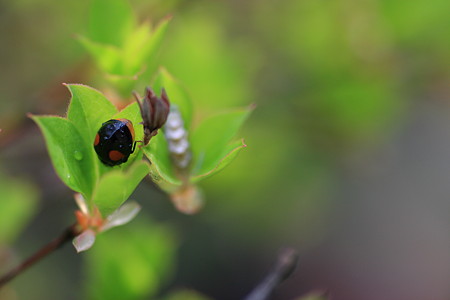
[68,234]
[285,266]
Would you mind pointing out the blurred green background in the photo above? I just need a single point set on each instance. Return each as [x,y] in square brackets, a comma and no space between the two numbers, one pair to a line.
[347,157]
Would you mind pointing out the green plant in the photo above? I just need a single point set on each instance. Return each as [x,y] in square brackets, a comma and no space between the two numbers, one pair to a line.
[125,54]
[210,144]
[123,50]
[70,144]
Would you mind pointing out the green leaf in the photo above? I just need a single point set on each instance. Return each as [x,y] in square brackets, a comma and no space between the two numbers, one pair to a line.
[116,186]
[18,204]
[209,142]
[132,113]
[177,94]
[152,46]
[88,109]
[123,84]
[135,269]
[133,49]
[162,172]
[107,57]
[141,46]
[230,153]
[110,21]
[71,158]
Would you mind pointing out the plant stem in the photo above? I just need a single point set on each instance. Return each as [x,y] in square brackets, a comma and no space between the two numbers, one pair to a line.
[67,235]
[285,266]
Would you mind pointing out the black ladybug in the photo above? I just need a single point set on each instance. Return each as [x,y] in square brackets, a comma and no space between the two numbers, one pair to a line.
[114,141]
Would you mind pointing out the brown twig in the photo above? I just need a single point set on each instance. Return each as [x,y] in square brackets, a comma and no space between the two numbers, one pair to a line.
[285,266]
[68,234]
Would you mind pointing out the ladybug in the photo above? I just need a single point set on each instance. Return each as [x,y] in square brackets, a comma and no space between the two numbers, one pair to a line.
[114,141]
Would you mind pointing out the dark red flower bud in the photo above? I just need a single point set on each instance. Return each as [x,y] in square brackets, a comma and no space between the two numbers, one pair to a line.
[154,111]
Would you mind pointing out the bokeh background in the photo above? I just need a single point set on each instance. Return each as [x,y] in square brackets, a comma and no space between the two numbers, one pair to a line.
[347,161]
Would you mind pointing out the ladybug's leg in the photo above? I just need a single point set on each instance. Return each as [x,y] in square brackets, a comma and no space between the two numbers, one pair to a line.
[134,147]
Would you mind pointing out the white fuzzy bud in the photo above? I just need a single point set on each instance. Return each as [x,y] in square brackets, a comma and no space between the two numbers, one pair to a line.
[177,138]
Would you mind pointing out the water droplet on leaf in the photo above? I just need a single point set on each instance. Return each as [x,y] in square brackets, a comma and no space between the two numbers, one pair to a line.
[78,155]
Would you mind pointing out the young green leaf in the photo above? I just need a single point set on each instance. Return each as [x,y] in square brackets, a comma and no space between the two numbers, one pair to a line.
[177,94]
[116,186]
[135,269]
[134,49]
[161,165]
[141,46]
[107,57]
[149,50]
[88,109]
[71,158]
[110,21]
[230,152]
[209,142]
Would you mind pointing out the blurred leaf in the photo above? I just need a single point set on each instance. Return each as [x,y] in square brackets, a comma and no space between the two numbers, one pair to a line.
[210,140]
[71,158]
[177,94]
[230,152]
[122,84]
[186,295]
[214,67]
[107,57]
[417,22]
[88,110]
[132,270]
[116,186]
[132,59]
[17,206]
[141,46]
[316,35]
[134,48]
[357,109]
[162,172]
[110,21]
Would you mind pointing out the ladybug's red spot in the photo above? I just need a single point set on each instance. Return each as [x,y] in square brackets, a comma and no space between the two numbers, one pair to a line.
[97,139]
[115,155]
